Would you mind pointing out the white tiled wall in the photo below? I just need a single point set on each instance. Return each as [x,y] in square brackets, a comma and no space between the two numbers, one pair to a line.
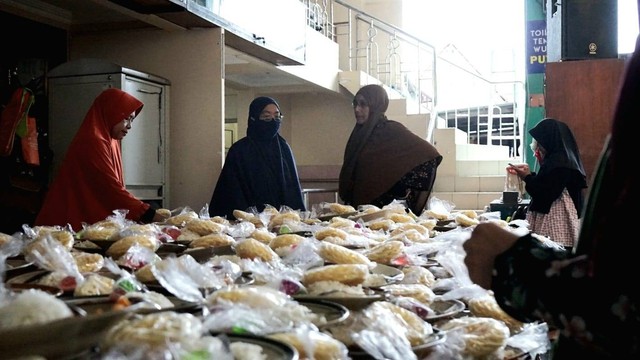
[470,176]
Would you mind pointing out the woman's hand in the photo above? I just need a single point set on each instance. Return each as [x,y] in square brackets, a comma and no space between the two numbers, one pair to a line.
[487,241]
[522,170]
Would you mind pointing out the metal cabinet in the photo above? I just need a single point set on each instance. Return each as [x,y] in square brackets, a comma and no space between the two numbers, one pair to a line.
[73,86]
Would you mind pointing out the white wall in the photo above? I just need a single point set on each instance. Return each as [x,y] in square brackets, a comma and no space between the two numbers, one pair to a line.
[191,61]
[316,125]
[323,124]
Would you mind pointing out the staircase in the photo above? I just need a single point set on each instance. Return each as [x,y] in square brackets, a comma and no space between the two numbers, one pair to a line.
[470,175]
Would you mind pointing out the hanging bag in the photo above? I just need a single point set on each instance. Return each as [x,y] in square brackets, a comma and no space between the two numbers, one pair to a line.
[13,114]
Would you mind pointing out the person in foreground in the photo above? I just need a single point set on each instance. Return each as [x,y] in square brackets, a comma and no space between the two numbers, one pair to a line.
[556,190]
[90,185]
[259,169]
[383,160]
[591,293]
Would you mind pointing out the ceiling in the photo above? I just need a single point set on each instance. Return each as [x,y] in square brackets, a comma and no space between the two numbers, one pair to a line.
[247,65]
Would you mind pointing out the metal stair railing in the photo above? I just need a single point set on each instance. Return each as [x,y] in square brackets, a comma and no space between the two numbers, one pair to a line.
[396,58]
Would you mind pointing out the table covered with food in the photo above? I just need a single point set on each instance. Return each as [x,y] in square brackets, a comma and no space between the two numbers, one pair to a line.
[331,283]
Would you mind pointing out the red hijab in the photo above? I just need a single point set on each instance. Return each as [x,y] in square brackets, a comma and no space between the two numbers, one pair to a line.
[90,183]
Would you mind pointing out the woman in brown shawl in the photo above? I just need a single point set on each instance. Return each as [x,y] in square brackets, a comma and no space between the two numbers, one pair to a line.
[383,160]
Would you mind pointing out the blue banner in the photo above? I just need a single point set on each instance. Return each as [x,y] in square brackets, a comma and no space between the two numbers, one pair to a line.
[536,46]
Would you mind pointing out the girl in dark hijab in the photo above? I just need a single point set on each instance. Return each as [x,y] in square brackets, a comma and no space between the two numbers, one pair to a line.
[383,160]
[259,169]
[557,189]
[535,282]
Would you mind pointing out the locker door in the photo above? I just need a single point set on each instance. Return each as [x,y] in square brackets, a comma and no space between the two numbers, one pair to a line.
[143,154]
[69,100]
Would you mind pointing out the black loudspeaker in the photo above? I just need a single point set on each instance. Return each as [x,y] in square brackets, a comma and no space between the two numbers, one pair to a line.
[581,29]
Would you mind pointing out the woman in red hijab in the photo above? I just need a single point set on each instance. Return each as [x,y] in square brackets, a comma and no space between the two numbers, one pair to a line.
[90,185]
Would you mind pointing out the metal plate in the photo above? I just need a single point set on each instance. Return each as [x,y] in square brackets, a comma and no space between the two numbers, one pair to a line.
[332,312]
[350,302]
[60,339]
[445,309]
[422,350]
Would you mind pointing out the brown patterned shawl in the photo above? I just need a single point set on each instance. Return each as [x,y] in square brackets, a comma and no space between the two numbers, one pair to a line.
[379,152]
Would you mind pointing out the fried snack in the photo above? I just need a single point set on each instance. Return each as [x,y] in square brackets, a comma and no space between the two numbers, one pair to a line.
[337,254]
[43,229]
[384,224]
[263,235]
[289,217]
[142,229]
[415,274]
[464,220]
[337,208]
[311,221]
[428,223]
[285,240]
[470,213]
[253,249]
[245,216]
[482,336]
[39,245]
[64,237]
[204,227]
[420,292]
[417,329]
[337,241]
[386,252]
[181,219]
[88,262]
[109,222]
[341,223]
[331,232]
[27,308]
[259,297]
[154,330]
[324,346]
[369,209]
[348,274]
[270,211]
[144,274]
[150,296]
[94,284]
[165,213]
[411,236]
[220,220]
[400,218]
[241,350]
[410,226]
[5,238]
[334,288]
[487,306]
[213,240]
[120,247]
[102,230]
[437,214]
[52,279]
[188,235]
